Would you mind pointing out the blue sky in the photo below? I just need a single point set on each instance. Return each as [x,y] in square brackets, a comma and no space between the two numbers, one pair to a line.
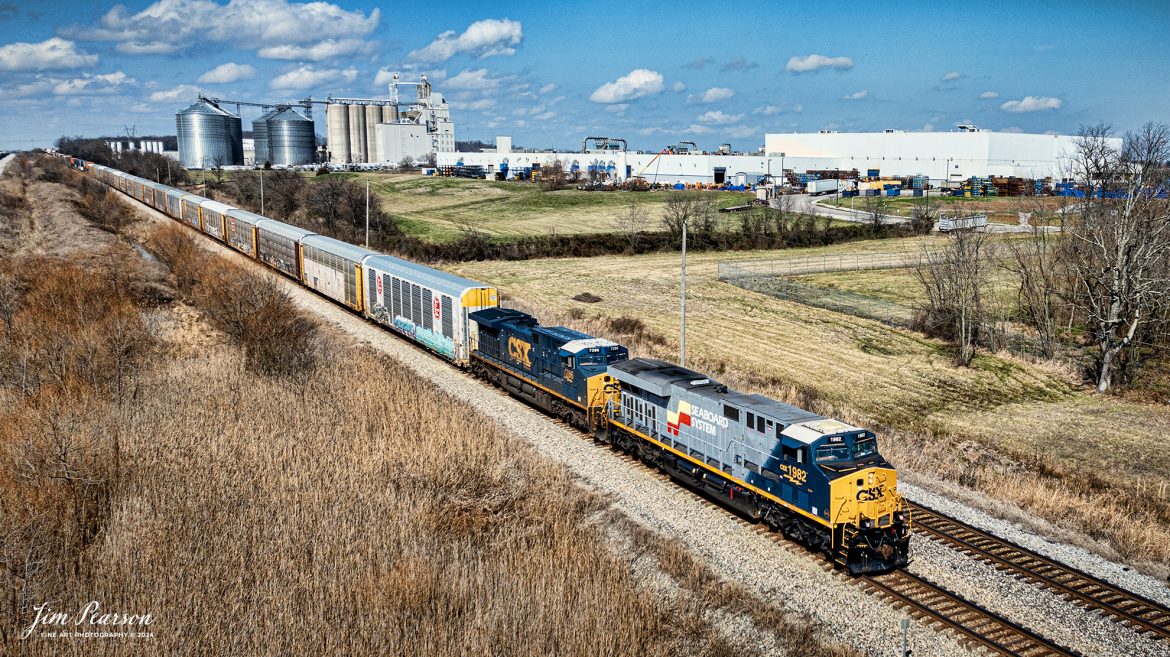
[549,75]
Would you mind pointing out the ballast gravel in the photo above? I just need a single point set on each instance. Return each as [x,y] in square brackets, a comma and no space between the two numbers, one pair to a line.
[783,574]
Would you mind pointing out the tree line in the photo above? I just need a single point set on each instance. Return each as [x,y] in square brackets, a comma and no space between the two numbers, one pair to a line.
[1098,283]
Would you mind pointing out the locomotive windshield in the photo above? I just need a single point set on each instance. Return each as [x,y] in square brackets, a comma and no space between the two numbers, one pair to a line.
[832,453]
[864,447]
[586,360]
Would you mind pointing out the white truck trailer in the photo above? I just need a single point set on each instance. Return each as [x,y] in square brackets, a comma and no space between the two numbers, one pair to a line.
[814,187]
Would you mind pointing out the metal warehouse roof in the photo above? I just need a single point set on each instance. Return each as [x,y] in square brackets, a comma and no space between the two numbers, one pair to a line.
[337,247]
[287,231]
[434,278]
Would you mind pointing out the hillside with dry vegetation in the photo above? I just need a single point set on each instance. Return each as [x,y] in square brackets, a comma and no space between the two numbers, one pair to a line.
[180,440]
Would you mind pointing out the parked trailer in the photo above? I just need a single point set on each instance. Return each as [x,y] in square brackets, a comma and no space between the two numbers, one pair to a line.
[972,222]
[815,187]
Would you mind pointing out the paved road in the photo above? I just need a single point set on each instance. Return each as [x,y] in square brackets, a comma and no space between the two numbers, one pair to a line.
[812,205]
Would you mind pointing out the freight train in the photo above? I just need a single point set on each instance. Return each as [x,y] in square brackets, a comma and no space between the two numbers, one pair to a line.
[817,480]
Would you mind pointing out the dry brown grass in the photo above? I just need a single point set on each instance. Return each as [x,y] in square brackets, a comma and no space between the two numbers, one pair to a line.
[352,511]
[1011,430]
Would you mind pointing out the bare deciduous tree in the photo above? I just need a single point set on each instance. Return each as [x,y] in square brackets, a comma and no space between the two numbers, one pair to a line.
[552,175]
[1118,244]
[632,222]
[924,214]
[678,209]
[1036,262]
[955,280]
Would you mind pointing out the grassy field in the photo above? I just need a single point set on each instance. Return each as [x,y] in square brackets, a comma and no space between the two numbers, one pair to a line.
[438,208]
[1000,209]
[1001,421]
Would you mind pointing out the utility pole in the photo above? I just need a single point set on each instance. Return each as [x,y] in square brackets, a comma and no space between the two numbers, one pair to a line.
[906,652]
[367,213]
[682,343]
[261,191]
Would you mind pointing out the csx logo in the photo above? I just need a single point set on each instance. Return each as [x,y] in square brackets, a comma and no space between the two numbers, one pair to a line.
[518,350]
[871,494]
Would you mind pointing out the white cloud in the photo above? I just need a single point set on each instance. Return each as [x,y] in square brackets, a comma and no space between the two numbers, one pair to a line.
[481,105]
[741,131]
[181,92]
[767,110]
[546,116]
[473,79]
[618,108]
[55,53]
[548,88]
[142,108]
[149,48]
[1032,104]
[483,38]
[712,95]
[171,25]
[315,52]
[717,117]
[810,63]
[88,85]
[952,76]
[698,129]
[228,73]
[928,127]
[636,84]
[678,86]
[386,75]
[987,95]
[306,77]
[797,109]
[856,95]
[650,131]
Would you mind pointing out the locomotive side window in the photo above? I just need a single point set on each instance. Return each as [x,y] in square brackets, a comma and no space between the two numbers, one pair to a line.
[760,424]
[731,413]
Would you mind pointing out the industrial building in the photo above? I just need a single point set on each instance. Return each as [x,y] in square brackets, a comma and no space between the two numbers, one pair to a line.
[209,136]
[376,131]
[943,158]
[124,144]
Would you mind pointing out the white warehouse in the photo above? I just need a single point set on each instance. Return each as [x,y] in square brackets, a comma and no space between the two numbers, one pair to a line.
[940,156]
[937,155]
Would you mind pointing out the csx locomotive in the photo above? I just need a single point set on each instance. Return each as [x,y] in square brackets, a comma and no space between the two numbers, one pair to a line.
[819,481]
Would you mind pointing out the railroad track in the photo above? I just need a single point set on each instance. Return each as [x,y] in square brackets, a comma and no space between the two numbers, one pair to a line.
[923,598]
[1139,613]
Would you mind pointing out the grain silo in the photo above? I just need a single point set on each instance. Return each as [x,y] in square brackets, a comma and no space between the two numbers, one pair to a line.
[373,118]
[260,137]
[357,133]
[209,136]
[291,139]
[337,131]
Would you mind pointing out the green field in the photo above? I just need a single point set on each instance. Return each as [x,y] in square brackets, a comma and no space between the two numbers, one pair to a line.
[439,209]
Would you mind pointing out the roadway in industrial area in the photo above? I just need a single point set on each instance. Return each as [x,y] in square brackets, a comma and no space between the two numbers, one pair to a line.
[810,204]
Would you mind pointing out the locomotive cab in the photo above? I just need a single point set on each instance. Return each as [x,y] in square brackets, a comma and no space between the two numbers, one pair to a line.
[871,525]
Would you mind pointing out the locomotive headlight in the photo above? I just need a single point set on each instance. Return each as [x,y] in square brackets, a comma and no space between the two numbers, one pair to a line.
[871,479]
